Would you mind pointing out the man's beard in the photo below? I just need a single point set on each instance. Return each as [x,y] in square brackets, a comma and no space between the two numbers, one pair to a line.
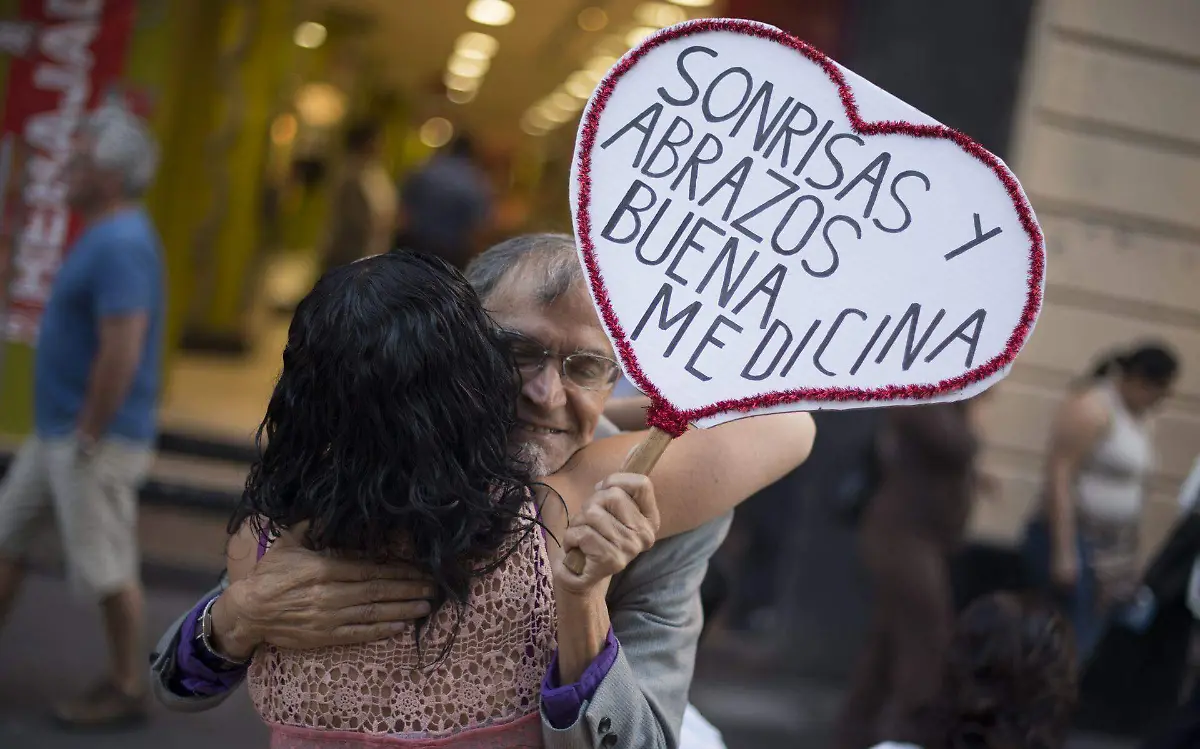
[534,457]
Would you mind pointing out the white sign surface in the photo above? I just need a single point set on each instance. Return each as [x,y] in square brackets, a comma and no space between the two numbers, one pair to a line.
[765,230]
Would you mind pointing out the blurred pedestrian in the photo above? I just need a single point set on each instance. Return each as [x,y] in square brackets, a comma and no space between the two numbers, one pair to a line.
[96,376]
[910,528]
[1007,680]
[363,218]
[1083,542]
[446,205]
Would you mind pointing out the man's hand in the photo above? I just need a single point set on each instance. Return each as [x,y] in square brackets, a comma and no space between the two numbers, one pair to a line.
[301,599]
[615,524]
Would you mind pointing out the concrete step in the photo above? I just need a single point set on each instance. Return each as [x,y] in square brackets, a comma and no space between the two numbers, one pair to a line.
[198,444]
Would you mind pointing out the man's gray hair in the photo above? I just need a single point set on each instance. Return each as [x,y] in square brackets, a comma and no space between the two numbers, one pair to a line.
[549,257]
[122,143]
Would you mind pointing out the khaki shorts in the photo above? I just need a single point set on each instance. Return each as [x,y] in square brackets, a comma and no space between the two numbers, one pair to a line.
[93,499]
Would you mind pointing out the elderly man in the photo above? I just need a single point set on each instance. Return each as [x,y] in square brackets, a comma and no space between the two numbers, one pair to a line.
[634,683]
[96,389]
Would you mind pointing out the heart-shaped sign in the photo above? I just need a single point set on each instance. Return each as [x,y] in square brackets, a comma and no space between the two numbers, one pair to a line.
[764,230]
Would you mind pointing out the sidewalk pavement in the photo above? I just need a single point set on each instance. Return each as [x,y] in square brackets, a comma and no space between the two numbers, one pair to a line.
[53,646]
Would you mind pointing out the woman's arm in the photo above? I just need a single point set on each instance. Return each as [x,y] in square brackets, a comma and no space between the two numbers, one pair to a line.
[704,473]
[241,554]
[230,634]
[1079,425]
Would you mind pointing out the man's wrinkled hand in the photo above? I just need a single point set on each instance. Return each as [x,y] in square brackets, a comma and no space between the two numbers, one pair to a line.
[301,599]
[618,522]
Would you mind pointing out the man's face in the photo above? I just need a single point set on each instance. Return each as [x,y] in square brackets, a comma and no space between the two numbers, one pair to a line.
[554,414]
[87,185]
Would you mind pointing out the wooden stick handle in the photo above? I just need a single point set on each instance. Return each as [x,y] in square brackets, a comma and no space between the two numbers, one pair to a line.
[641,460]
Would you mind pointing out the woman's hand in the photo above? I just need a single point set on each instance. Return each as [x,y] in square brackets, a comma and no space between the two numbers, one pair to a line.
[618,522]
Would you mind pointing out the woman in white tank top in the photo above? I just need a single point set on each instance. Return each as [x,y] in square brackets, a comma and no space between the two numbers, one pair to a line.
[1083,543]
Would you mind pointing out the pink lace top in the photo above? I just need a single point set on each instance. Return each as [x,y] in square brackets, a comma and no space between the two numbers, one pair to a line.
[398,689]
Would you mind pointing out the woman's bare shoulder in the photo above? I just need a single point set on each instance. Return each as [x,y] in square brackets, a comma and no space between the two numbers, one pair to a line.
[1086,407]
[1082,418]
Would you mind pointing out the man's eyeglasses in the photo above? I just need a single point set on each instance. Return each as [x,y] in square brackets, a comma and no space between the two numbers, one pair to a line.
[588,371]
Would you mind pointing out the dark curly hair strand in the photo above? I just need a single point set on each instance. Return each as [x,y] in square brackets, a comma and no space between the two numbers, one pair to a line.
[1009,679]
[388,428]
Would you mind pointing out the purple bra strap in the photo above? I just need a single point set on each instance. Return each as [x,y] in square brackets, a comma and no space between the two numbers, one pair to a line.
[537,508]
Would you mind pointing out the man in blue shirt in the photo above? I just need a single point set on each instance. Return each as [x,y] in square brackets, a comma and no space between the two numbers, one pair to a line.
[95,396]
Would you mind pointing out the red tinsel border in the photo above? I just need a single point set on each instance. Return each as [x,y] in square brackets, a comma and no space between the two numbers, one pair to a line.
[674,421]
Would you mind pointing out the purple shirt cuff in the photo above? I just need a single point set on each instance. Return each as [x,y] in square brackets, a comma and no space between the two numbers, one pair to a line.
[563,703]
[197,673]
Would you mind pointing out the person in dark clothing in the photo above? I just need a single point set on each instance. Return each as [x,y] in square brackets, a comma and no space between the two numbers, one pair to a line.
[1182,733]
[1140,680]
[445,206]
[909,530]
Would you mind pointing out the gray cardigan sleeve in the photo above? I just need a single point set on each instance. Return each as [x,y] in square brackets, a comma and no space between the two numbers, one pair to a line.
[164,668]
[655,610]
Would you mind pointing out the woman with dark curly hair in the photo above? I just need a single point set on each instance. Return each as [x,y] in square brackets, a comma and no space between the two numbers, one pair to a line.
[1008,679]
[387,436]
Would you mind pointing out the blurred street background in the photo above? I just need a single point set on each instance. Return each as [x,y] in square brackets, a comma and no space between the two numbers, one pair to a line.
[1093,103]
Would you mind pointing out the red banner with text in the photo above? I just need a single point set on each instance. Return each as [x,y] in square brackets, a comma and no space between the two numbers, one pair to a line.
[65,56]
